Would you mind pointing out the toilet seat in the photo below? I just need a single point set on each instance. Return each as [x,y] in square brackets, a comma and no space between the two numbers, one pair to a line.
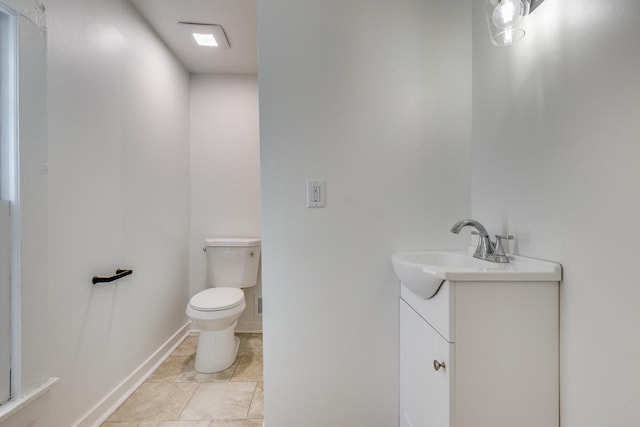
[217,299]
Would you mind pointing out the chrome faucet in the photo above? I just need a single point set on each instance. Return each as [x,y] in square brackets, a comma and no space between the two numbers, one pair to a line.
[486,250]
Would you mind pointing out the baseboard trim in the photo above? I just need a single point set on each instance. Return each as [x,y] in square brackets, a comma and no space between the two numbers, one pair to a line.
[99,413]
[28,408]
[249,327]
[237,331]
[248,331]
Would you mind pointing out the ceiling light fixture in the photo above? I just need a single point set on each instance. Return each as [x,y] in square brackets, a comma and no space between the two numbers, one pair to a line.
[505,19]
[209,35]
[205,39]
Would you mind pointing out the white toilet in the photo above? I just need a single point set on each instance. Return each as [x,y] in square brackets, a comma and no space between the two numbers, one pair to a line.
[232,264]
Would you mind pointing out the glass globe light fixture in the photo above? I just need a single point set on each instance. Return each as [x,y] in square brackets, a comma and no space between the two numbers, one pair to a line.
[507,13]
[504,18]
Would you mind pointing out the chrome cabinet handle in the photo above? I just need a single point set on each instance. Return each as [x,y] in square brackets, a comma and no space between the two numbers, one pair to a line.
[437,365]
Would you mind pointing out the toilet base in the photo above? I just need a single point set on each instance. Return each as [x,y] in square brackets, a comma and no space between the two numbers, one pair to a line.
[217,350]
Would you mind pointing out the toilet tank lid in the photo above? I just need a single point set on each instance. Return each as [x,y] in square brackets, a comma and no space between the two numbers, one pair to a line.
[233,241]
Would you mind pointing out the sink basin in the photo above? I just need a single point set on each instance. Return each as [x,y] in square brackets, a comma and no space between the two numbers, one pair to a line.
[423,272]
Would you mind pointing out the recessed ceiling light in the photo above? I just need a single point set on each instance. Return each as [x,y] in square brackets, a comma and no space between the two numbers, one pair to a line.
[205,39]
[212,35]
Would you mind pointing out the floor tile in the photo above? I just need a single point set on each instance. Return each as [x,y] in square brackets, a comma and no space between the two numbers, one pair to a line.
[188,346]
[171,369]
[110,424]
[189,373]
[220,401]
[236,423]
[250,344]
[256,410]
[175,395]
[175,424]
[249,369]
[155,402]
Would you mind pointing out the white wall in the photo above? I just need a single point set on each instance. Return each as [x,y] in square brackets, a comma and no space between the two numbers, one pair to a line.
[555,162]
[374,97]
[225,171]
[118,197]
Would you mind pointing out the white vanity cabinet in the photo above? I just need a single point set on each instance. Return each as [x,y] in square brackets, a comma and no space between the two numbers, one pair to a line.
[495,347]
[424,392]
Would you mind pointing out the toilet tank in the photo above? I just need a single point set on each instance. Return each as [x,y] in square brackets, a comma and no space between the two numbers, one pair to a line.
[232,262]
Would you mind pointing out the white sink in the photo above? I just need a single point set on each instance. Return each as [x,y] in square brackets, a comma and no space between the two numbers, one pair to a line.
[423,272]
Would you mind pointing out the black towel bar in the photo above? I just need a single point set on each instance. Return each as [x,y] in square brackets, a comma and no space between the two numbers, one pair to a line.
[120,273]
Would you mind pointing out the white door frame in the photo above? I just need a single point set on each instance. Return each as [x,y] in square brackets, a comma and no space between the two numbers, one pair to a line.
[5,301]
[9,192]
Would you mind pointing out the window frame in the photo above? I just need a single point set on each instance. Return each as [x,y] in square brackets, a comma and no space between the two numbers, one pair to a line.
[9,192]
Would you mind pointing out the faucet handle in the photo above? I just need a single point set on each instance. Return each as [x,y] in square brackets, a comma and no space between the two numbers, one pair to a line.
[499,251]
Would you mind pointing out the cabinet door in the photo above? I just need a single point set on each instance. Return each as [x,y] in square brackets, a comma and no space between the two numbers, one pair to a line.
[424,391]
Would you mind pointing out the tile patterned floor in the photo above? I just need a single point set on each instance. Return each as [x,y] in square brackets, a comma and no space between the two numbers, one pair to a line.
[175,395]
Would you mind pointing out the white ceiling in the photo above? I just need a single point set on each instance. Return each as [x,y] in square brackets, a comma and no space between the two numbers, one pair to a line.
[237,17]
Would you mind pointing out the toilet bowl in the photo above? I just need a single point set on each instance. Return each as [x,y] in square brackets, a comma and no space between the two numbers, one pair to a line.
[232,264]
[215,313]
